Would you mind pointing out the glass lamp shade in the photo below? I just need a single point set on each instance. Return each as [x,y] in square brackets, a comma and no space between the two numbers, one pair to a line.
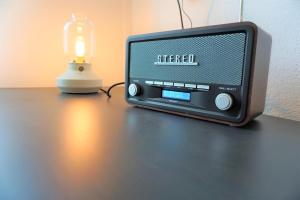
[79,47]
[79,39]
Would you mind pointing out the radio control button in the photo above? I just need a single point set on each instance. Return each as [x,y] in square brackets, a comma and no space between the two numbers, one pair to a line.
[168,83]
[203,87]
[224,101]
[149,82]
[190,85]
[158,83]
[133,89]
[178,84]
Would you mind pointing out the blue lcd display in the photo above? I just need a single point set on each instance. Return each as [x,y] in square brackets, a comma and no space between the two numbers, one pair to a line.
[176,95]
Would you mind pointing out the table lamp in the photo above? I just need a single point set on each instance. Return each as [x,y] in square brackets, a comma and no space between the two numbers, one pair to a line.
[79,48]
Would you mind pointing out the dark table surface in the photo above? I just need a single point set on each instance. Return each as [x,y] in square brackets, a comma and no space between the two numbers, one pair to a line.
[79,147]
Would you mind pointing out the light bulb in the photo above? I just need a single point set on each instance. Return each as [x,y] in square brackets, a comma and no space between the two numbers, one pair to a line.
[79,48]
[79,39]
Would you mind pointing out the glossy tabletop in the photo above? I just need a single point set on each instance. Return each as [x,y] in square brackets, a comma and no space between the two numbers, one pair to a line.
[89,147]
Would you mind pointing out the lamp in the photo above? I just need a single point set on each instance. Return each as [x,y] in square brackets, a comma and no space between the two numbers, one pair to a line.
[79,48]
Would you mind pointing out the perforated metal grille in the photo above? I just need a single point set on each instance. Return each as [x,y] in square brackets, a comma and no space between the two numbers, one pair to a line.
[220,59]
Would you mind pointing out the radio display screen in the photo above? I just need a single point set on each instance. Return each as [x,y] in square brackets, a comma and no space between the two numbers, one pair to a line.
[185,96]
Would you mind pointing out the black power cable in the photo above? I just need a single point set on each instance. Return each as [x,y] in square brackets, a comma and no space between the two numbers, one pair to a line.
[104,91]
[107,92]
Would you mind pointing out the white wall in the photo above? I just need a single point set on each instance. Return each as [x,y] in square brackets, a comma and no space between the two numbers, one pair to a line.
[281,18]
[32,44]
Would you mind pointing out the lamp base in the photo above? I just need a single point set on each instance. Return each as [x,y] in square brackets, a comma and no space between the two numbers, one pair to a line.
[79,79]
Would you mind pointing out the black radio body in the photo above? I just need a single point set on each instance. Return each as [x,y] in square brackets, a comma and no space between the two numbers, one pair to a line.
[217,73]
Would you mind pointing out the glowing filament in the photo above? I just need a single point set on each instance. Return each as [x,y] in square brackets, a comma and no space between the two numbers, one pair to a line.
[80,47]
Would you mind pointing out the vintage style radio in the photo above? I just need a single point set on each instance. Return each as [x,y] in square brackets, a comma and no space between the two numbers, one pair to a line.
[217,73]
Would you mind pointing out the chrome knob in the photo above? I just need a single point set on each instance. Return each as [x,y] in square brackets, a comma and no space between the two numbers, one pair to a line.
[224,101]
[133,89]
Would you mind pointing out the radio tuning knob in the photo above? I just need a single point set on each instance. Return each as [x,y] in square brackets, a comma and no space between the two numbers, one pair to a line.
[133,89]
[224,101]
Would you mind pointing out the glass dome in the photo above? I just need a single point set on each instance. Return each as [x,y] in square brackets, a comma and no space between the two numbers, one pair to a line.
[79,39]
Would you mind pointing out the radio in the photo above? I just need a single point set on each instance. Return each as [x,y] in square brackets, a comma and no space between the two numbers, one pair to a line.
[216,73]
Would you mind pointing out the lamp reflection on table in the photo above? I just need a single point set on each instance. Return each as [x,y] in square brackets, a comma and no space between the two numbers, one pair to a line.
[80,143]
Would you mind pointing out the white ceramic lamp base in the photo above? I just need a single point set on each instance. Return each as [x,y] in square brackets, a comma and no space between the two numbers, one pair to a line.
[79,79]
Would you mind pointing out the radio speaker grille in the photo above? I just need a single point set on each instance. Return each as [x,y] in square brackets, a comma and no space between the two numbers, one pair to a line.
[220,59]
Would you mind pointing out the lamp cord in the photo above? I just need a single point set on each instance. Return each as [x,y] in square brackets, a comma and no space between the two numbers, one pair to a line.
[107,92]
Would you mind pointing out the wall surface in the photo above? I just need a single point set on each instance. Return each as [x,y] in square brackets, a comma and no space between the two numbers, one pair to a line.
[31,39]
[280,18]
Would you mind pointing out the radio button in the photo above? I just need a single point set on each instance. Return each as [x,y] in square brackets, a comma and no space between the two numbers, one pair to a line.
[178,84]
[168,83]
[158,83]
[133,89]
[190,85]
[224,101]
[149,82]
[203,87]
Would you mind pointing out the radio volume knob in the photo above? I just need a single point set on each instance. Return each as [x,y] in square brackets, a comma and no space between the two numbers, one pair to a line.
[133,89]
[224,101]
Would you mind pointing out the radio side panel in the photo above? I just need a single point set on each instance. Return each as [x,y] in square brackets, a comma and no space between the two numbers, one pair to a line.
[261,58]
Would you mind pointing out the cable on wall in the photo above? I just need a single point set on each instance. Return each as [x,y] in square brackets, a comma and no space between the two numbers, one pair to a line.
[181,10]
[180,13]
[185,13]
[241,11]
[212,4]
